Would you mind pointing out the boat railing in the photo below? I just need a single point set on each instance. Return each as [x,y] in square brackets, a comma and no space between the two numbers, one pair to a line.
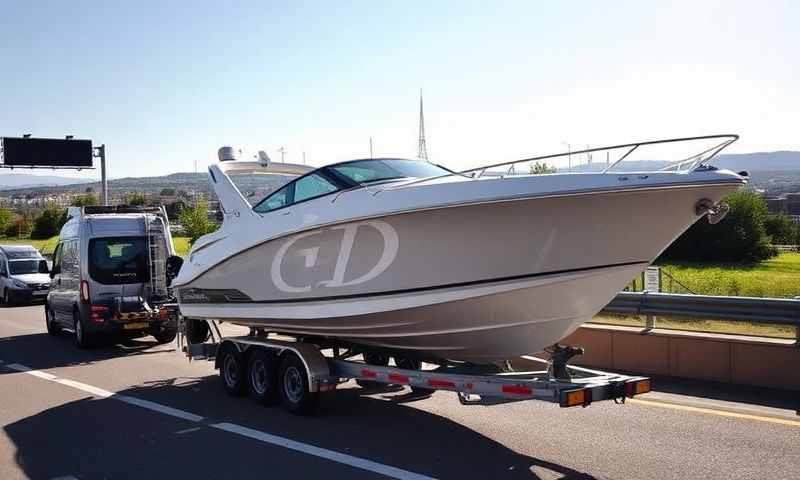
[677,159]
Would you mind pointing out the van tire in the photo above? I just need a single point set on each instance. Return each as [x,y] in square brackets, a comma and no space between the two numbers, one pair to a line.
[50,319]
[165,336]
[83,339]
[6,298]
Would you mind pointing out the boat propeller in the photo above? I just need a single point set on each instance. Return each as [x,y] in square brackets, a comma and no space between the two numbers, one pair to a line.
[714,212]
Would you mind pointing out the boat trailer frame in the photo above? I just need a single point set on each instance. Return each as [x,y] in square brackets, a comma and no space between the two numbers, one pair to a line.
[329,365]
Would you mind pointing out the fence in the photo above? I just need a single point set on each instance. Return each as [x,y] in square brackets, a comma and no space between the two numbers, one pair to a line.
[774,311]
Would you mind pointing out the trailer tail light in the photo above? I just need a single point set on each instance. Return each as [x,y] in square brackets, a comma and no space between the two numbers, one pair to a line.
[84,291]
[163,314]
[573,398]
[637,387]
[97,313]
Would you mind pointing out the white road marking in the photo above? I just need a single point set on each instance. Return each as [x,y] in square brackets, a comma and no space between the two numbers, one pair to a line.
[334,456]
[320,452]
[188,430]
[157,407]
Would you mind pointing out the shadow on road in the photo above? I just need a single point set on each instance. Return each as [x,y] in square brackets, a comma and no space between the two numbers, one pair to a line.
[107,438]
[43,351]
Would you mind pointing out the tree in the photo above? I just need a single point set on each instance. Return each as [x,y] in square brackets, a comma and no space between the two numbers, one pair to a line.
[6,216]
[136,198]
[781,229]
[87,199]
[18,227]
[89,190]
[739,237]
[167,192]
[195,221]
[540,168]
[48,223]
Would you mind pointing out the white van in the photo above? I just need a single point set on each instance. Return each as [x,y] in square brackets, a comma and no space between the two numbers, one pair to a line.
[109,274]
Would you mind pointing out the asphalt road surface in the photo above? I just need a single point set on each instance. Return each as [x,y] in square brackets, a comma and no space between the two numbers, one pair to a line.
[140,410]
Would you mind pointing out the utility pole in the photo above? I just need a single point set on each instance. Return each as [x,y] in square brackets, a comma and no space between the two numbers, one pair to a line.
[283,154]
[422,148]
[370,148]
[304,158]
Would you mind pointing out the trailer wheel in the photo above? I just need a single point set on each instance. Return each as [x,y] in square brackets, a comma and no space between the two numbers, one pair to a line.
[262,378]
[232,370]
[294,388]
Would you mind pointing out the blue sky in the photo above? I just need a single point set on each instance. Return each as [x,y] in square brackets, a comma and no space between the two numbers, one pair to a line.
[165,83]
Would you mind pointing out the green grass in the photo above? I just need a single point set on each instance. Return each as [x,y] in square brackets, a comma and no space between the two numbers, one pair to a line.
[702,325]
[776,277]
[45,246]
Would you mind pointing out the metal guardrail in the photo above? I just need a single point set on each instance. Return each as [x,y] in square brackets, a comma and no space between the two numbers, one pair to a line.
[773,311]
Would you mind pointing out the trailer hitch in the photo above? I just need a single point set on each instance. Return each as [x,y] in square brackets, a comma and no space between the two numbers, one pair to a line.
[559,356]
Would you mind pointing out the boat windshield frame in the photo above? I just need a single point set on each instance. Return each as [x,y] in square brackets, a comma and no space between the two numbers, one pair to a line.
[341,181]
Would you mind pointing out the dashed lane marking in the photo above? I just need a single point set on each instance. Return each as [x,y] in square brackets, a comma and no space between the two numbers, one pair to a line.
[342,458]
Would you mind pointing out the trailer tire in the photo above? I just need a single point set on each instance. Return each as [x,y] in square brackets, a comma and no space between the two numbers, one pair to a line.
[232,370]
[165,336]
[262,376]
[294,387]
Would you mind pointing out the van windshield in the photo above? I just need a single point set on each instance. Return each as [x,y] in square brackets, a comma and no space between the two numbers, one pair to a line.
[118,260]
[21,267]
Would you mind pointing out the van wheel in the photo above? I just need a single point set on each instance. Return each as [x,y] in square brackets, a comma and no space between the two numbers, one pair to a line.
[165,336]
[232,370]
[262,378]
[50,320]
[294,388]
[6,298]
[83,339]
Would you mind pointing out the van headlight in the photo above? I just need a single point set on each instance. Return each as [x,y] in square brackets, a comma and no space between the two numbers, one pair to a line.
[18,283]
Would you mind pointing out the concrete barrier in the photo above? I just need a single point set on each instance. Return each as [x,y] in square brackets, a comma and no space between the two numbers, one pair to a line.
[734,359]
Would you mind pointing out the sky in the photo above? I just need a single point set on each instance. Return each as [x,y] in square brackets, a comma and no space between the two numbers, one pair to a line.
[164,84]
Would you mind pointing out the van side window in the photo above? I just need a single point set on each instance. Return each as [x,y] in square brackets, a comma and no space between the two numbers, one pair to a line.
[57,253]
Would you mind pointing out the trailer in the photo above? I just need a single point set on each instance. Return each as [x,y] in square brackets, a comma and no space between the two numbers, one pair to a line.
[298,372]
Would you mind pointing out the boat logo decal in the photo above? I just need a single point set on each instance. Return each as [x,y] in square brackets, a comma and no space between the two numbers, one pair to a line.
[390,246]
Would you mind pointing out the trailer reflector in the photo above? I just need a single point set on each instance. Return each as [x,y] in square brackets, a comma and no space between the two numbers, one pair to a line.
[396,377]
[637,387]
[369,373]
[517,390]
[576,397]
[441,383]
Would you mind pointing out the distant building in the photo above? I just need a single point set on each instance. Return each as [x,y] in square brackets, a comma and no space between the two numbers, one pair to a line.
[788,204]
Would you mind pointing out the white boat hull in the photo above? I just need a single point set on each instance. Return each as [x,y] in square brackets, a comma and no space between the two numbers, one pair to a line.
[480,282]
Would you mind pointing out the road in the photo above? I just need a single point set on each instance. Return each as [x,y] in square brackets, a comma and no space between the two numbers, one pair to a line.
[141,410]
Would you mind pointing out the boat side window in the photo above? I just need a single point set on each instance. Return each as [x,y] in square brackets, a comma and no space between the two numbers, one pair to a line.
[311,186]
[277,200]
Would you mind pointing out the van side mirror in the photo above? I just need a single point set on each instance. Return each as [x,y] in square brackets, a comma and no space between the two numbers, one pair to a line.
[43,268]
[174,264]
[55,271]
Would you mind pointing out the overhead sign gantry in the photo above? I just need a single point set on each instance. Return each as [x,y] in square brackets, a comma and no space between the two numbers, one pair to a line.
[54,153]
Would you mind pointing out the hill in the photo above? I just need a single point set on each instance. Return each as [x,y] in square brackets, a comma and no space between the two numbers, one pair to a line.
[26,180]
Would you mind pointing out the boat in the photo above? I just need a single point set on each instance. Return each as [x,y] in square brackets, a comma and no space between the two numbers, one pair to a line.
[400,255]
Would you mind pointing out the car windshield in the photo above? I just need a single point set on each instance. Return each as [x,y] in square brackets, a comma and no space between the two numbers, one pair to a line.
[366,171]
[21,267]
[118,260]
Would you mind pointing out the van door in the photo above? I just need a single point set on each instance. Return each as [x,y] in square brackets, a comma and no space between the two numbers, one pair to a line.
[3,275]
[55,297]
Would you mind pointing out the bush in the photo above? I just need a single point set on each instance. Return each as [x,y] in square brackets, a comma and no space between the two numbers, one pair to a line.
[48,224]
[781,229]
[740,237]
[195,221]
[137,198]
[6,216]
[87,199]
[19,226]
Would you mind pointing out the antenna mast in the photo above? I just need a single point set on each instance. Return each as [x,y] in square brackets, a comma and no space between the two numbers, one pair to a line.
[422,150]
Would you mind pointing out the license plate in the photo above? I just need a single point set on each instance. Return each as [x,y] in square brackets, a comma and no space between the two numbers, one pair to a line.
[135,326]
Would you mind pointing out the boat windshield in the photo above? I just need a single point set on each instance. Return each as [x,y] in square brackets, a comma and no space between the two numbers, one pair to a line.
[367,171]
[333,178]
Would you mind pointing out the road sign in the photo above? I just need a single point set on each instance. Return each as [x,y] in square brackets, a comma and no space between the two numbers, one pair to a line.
[46,152]
[652,279]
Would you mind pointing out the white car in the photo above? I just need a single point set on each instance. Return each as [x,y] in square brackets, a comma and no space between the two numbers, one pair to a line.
[24,275]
